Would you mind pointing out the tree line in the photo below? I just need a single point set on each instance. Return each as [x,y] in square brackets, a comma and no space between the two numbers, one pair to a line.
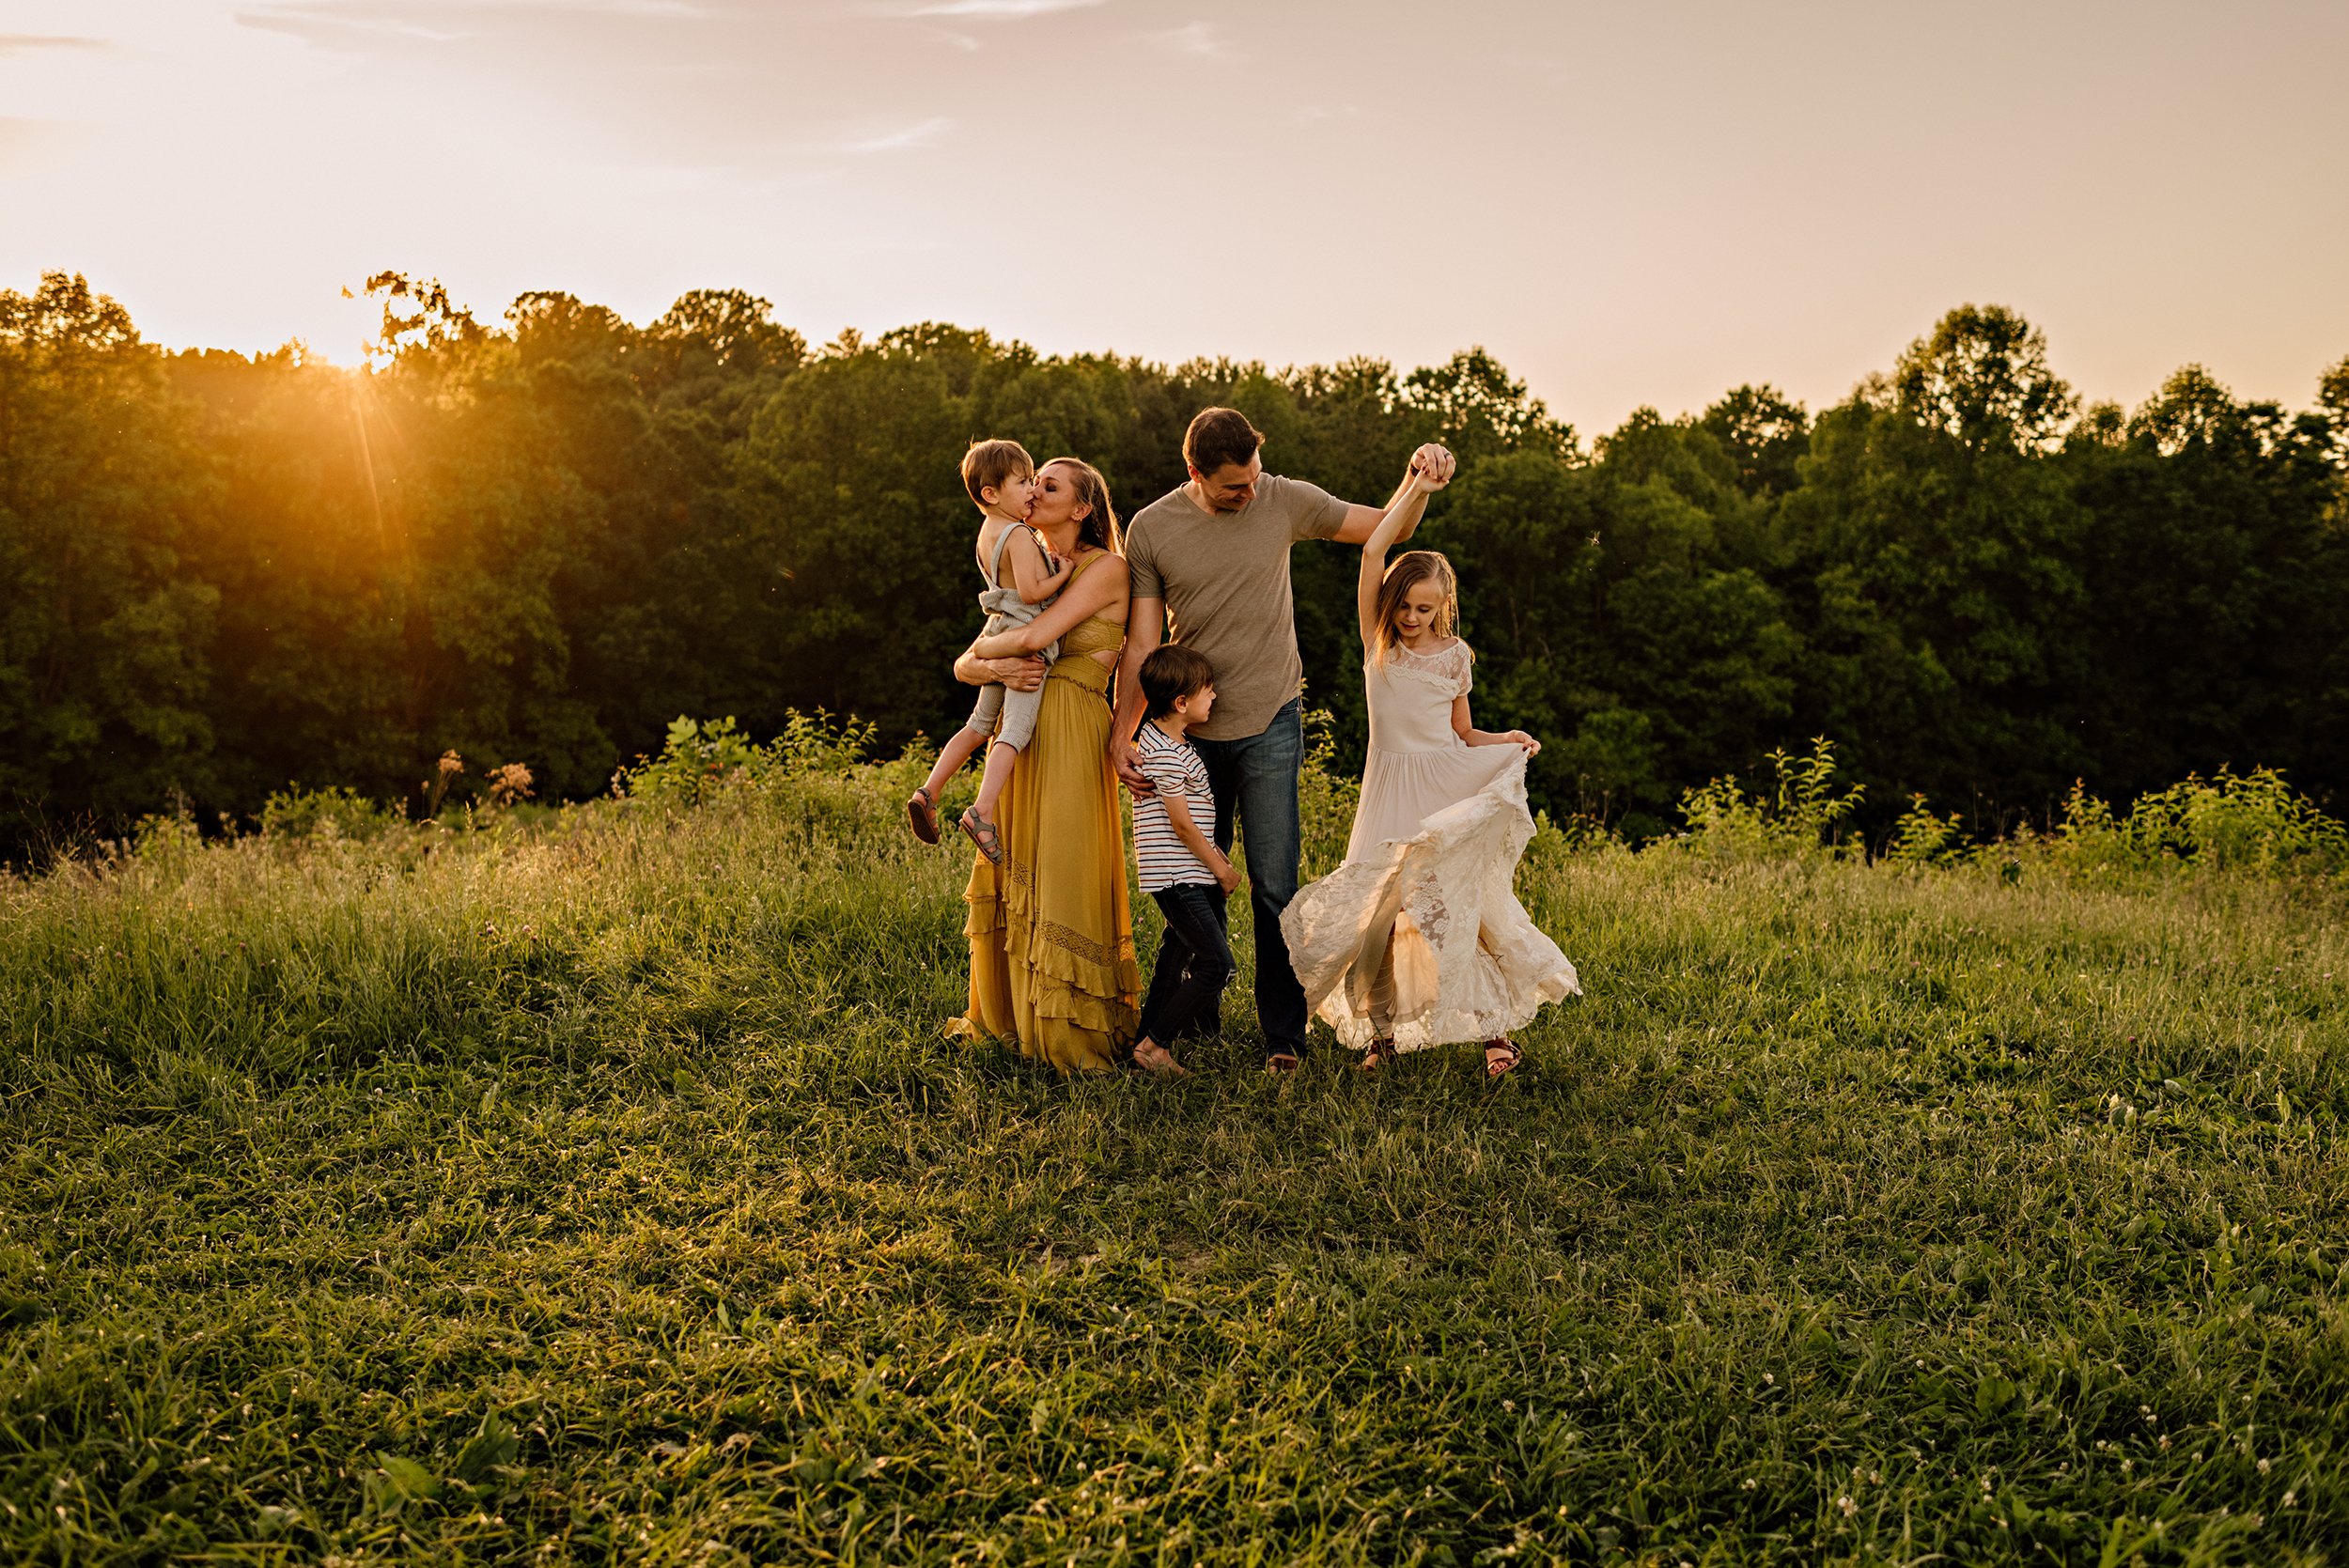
[540,539]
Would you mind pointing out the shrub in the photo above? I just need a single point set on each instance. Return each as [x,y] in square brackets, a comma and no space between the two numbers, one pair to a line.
[1802,816]
[334,812]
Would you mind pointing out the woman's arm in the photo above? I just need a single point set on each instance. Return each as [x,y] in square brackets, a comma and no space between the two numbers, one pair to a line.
[1465,727]
[1093,593]
[1401,517]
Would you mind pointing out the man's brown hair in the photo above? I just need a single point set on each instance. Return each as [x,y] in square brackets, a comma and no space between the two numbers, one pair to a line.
[1173,671]
[1220,436]
[989,464]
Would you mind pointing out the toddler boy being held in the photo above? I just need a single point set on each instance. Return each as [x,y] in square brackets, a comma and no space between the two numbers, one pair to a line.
[1021,578]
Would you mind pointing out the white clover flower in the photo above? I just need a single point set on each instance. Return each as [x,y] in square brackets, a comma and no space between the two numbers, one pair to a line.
[2263,1467]
[1848,1506]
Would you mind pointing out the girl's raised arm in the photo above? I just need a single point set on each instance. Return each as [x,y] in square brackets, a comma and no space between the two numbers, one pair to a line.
[1401,512]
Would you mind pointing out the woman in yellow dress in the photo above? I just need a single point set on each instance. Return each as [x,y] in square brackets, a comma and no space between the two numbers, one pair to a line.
[1051,932]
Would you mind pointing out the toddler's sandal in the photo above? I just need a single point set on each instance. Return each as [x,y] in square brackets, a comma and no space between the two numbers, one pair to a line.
[1376,1059]
[982,832]
[1504,1063]
[922,813]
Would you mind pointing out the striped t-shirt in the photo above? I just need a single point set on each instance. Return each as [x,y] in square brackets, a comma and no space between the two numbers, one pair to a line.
[1174,768]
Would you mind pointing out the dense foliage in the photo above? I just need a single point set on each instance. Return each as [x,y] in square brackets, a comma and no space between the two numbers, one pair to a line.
[538,542]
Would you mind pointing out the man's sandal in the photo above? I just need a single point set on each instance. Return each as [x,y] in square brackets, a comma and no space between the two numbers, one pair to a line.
[982,833]
[1496,1066]
[1377,1056]
[922,812]
[1280,1062]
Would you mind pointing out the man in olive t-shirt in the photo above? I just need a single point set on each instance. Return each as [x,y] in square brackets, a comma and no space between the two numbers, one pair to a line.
[1210,562]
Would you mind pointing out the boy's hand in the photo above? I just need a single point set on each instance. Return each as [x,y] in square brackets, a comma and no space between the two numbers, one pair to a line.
[1226,876]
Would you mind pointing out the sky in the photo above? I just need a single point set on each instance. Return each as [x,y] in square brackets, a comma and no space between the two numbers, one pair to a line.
[1626,203]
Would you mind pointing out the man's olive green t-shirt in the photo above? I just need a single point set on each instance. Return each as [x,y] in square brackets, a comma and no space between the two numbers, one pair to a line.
[1224,577]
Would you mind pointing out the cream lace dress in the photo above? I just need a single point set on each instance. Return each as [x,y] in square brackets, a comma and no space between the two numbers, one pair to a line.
[1418,935]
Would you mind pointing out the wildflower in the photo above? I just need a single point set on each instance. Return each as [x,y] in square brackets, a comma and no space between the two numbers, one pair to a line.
[1875,1478]
[1770,1378]
[2292,1500]
[1848,1506]
[1508,1404]
[2263,1467]
[2128,1465]
[2165,1442]
[1747,1484]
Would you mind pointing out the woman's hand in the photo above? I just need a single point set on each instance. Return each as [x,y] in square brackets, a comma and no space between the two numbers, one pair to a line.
[1019,675]
[1519,738]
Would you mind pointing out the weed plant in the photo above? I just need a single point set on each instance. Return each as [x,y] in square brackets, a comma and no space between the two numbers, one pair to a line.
[598,1186]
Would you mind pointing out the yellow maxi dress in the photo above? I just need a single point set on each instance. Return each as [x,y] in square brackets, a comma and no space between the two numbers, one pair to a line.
[1051,933]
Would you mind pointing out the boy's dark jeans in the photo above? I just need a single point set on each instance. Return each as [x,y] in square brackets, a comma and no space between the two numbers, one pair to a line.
[1254,779]
[1194,964]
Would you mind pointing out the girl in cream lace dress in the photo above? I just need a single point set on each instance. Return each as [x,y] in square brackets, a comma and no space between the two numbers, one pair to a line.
[1418,939]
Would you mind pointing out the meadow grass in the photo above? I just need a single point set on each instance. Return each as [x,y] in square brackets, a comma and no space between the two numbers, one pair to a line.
[603,1189]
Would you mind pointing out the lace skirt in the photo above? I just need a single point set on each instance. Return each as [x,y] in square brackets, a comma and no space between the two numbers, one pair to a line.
[1421,939]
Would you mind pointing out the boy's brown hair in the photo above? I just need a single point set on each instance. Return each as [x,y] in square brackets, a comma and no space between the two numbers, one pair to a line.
[989,464]
[1173,671]
[1218,437]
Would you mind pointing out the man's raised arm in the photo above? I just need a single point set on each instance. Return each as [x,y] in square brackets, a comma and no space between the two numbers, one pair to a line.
[1362,521]
[1145,628]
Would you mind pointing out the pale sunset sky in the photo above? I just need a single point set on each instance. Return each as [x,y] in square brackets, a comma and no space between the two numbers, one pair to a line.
[1628,203]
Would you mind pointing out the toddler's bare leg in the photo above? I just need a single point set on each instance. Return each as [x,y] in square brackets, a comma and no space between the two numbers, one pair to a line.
[1000,759]
[952,758]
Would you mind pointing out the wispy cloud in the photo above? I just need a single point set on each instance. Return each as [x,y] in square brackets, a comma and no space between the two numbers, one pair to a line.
[1199,38]
[904,137]
[27,43]
[1002,11]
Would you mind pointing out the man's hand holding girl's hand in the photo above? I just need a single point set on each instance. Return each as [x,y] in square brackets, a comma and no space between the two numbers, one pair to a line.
[1432,467]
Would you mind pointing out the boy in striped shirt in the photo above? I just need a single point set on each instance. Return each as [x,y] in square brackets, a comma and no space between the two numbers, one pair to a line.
[1181,868]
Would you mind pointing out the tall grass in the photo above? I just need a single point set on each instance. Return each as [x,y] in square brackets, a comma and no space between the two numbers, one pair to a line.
[596,1185]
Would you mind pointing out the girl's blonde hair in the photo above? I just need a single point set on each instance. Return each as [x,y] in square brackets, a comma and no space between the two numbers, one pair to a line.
[1407,571]
[1099,527]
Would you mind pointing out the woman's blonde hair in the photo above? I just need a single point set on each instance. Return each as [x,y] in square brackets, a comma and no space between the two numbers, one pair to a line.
[1099,527]
[1408,572]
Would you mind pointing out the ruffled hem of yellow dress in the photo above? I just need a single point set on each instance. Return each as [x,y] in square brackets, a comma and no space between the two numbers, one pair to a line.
[1062,983]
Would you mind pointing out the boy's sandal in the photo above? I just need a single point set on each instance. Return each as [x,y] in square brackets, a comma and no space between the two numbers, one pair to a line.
[982,833]
[1495,1066]
[922,812]
[1377,1056]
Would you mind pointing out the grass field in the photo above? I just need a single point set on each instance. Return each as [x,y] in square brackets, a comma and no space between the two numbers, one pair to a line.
[601,1190]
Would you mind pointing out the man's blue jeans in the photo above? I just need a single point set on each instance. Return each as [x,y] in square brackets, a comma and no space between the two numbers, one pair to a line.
[1254,781]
